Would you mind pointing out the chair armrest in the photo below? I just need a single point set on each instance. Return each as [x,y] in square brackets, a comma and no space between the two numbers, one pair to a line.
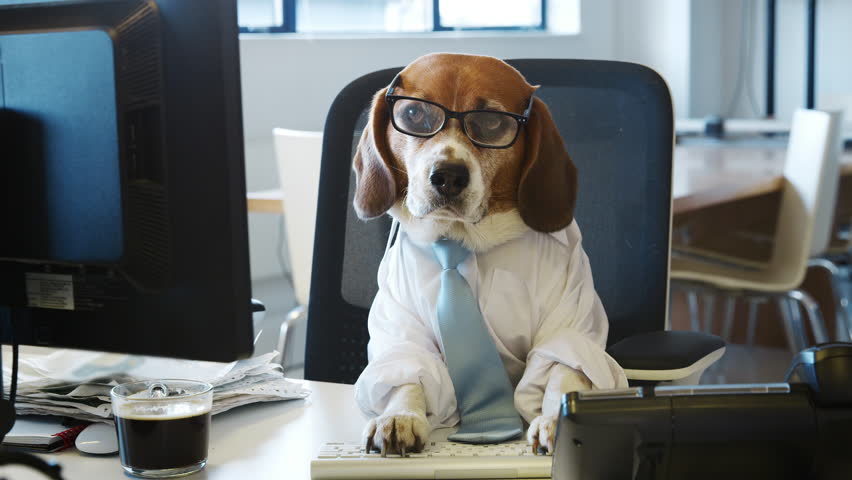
[676,356]
[297,316]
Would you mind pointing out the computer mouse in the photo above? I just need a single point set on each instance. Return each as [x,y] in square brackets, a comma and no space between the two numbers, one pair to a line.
[98,439]
[827,369]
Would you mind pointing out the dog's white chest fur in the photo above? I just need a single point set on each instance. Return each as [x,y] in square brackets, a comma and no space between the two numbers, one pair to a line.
[494,230]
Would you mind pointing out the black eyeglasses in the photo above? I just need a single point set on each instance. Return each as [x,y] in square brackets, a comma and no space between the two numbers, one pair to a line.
[485,128]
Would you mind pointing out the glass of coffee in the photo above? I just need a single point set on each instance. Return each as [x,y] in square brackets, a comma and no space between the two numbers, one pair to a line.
[163,426]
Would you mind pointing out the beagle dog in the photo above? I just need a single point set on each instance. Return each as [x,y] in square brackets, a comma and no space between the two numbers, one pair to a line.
[459,146]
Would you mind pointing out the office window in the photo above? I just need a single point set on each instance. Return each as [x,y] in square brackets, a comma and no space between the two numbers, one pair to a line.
[490,14]
[363,15]
[265,15]
[312,16]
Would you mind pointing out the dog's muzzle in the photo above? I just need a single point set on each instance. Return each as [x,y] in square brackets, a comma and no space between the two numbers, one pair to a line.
[449,179]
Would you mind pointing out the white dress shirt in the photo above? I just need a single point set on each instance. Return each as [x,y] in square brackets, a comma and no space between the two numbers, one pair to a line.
[538,300]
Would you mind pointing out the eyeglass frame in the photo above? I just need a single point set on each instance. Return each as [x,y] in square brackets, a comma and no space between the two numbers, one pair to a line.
[522,119]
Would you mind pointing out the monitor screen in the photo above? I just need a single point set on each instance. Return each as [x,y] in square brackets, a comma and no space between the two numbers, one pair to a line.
[68,127]
[122,182]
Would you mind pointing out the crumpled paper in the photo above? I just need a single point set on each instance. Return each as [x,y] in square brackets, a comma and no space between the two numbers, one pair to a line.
[77,383]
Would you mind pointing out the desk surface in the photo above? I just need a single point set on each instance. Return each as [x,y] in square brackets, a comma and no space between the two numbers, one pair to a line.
[258,442]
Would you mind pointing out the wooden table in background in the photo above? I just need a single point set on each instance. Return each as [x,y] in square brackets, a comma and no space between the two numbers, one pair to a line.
[726,201]
[265,201]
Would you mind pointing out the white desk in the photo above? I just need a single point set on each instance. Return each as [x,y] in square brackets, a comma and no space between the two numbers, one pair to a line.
[274,441]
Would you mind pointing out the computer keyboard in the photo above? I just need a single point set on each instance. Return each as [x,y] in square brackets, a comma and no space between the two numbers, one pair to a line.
[437,460]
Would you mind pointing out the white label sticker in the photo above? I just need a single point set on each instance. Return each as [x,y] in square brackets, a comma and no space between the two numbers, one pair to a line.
[47,290]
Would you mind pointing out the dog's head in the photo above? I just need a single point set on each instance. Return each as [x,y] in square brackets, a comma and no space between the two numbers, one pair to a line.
[430,165]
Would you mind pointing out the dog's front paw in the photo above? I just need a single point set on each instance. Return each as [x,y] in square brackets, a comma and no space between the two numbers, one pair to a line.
[542,433]
[401,433]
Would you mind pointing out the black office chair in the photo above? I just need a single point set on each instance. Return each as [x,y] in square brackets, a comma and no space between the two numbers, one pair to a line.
[617,123]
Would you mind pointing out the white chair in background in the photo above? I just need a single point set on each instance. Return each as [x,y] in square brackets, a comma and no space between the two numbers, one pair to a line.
[811,174]
[298,155]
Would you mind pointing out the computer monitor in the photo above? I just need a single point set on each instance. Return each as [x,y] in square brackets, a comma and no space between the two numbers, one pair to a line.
[122,181]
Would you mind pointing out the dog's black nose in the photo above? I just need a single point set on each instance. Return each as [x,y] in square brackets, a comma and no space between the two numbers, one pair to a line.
[449,179]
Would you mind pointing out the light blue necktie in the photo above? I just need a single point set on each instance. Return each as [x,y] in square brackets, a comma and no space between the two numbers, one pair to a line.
[483,390]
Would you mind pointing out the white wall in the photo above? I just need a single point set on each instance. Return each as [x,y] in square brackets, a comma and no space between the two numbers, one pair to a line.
[717,43]
[697,45]
[833,44]
[656,33]
[727,60]
[290,82]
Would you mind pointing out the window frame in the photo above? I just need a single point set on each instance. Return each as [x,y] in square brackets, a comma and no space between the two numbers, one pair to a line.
[289,25]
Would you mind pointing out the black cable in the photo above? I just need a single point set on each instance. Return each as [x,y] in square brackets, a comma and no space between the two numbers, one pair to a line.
[2,392]
[48,468]
[14,390]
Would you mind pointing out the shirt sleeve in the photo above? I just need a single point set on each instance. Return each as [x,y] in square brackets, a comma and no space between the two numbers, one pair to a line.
[572,328]
[403,348]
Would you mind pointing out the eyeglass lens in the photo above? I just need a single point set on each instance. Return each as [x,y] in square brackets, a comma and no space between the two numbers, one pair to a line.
[491,128]
[421,118]
[418,118]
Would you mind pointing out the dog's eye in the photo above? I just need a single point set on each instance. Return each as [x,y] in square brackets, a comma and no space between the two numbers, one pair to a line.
[491,122]
[414,113]
[416,117]
[491,128]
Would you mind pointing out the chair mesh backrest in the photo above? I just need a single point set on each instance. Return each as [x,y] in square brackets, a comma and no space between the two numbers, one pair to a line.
[616,120]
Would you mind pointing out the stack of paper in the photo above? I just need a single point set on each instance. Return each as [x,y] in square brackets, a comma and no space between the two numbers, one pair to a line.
[43,434]
[76,383]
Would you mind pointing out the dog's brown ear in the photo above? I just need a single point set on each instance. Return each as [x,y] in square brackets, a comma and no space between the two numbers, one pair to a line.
[375,184]
[548,187]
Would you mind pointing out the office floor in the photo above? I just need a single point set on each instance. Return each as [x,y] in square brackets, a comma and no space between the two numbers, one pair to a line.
[741,364]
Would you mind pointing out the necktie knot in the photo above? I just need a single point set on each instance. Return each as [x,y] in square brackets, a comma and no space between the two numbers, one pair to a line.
[450,253]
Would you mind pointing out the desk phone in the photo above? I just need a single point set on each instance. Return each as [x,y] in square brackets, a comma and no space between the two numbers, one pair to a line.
[799,430]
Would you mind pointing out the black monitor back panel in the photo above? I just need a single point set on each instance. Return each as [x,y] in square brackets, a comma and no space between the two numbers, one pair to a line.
[123,187]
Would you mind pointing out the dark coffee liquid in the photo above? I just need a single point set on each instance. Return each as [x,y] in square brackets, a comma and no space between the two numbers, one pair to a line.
[155,444]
